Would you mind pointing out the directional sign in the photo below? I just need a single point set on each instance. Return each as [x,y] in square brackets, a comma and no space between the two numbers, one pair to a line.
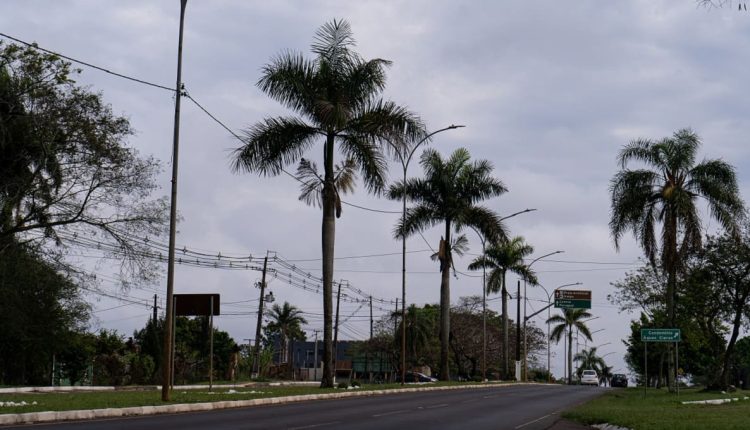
[573,299]
[196,304]
[661,335]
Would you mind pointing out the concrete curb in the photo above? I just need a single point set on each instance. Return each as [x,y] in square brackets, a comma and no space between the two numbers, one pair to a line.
[54,416]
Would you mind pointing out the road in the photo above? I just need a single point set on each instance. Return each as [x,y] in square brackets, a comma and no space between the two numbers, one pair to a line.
[526,407]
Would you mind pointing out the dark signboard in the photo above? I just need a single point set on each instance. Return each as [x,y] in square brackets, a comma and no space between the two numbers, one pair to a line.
[196,304]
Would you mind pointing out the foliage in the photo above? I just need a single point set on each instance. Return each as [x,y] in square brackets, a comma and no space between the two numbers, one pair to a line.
[569,319]
[41,314]
[286,322]
[588,359]
[337,97]
[64,163]
[449,194]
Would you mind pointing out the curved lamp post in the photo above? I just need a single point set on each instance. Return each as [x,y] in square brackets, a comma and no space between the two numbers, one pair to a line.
[484,294]
[549,305]
[404,151]
[525,349]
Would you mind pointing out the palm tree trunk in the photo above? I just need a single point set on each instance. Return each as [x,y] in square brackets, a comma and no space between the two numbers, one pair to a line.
[570,355]
[671,263]
[730,347]
[328,236]
[506,341]
[445,307]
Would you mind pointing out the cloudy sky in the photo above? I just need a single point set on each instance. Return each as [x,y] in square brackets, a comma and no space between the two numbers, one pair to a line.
[548,90]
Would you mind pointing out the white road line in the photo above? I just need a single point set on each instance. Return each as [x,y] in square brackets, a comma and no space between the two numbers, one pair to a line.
[536,420]
[491,396]
[442,405]
[391,413]
[312,426]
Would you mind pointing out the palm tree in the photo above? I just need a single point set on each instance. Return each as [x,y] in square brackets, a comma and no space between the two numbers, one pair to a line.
[287,320]
[501,258]
[449,194]
[570,318]
[336,95]
[666,192]
[605,375]
[418,331]
[589,360]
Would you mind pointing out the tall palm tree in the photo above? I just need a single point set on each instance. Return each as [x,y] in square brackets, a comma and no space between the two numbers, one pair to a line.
[449,193]
[288,321]
[337,97]
[501,258]
[665,191]
[605,374]
[570,318]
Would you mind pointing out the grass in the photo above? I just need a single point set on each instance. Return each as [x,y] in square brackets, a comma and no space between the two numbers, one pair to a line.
[661,410]
[60,401]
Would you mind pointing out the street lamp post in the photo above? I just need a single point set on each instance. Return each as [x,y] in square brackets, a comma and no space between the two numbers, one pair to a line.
[484,294]
[549,305]
[404,153]
[525,299]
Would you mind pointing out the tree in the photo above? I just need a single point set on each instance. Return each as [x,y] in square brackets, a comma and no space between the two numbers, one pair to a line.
[727,263]
[287,321]
[589,360]
[605,374]
[666,191]
[449,193]
[337,95]
[64,163]
[420,325]
[41,313]
[570,318]
[501,258]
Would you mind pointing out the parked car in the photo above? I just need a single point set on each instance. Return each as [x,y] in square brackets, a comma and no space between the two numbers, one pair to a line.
[589,377]
[619,380]
[416,377]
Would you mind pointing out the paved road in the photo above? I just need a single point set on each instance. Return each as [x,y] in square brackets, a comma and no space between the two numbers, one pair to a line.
[515,407]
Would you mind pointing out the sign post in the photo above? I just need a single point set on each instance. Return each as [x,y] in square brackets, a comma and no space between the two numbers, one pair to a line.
[200,305]
[669,335]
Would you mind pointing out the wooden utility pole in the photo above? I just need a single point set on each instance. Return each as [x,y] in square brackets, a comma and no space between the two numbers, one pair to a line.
[168,330]
[155,314]
[518,329]
[260,316]
[336,331]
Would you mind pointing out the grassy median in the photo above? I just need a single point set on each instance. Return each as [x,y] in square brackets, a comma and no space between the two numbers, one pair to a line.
[659,409]
[124,398]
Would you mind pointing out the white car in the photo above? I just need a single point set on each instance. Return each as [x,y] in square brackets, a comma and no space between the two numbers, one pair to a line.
[589,377]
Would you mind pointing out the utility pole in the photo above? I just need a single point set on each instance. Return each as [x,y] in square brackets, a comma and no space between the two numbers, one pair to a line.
[395,331]
[518,332]
[336,332]
[315,354]
[260,316]
[168,330]
[370,317]
[155,308]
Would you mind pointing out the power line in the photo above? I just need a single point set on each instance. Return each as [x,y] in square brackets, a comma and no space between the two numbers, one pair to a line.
[119,75]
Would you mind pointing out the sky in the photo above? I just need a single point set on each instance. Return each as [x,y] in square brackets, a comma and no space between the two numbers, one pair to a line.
[549,91]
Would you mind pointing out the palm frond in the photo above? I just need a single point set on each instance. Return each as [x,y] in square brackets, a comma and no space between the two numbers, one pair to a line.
[272,144]
[368,158]
[642,150]
[332,41]
[290,80]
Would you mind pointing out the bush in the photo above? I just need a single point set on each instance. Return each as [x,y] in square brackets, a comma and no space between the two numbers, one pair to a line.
[343,385]
[356,383]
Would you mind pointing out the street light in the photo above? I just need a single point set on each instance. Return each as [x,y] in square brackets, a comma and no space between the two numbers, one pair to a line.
[484,294]
[404,154]
[549,305]
[525,300]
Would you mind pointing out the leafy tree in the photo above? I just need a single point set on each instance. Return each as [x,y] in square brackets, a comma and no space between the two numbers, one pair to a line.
[605,375]
[665,192]
[501,258]
[287,321]
[741,362]
[337,95]
[449,193]
[570,318]
[41,311]
[64,163]
[421,323]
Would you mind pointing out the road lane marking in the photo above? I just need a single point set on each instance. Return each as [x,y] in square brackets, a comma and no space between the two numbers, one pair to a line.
[391,413]
[312,426]
[536,420]
[491,396]
[442,405]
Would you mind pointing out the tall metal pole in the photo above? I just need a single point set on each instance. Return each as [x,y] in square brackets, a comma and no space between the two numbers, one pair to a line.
[256,361]
[168,332]
[211,346]
[518,331]
[484,318]
[336,331]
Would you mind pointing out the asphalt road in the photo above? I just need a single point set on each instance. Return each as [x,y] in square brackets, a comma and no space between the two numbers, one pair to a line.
[526,407]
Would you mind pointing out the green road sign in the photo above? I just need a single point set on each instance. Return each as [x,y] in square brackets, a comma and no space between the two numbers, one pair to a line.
[572,304]
[573,299]
[661,335]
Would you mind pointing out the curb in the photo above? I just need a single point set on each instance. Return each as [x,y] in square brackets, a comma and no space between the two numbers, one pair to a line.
[55,416]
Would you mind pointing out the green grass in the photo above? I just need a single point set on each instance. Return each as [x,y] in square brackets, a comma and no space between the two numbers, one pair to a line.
[661,410]
[125,398]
